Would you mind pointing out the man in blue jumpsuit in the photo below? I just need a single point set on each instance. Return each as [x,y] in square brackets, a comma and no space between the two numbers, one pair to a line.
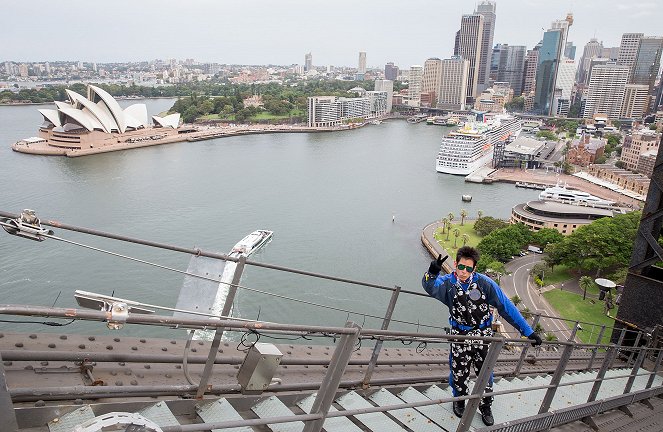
[469,295]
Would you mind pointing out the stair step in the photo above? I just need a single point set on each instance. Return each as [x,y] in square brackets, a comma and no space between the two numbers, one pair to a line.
[334,424]
[436,413]
[408,416]
[273,407]
[376,422]
[435,392]
[218,411]
[67,422]
[160,414]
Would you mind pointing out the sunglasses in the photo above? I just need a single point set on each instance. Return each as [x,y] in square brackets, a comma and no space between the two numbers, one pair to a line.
[470,269]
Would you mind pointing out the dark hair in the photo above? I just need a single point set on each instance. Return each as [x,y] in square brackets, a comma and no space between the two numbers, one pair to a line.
[468,252]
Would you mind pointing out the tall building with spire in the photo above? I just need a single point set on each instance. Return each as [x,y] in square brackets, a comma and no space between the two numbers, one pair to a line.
[469,41]
[551,55]
[486,8]
[592,49]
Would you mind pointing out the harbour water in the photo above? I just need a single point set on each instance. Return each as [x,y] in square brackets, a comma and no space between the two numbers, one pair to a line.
[329,197]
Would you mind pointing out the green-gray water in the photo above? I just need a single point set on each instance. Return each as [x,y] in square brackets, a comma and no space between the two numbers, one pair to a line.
[329,198]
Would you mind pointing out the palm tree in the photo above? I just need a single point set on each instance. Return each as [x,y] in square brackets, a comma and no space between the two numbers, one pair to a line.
[480,213]
[456,235]
[445,221]
[463,215]
[450,216]
[466,238]
[516,300]
[585,283]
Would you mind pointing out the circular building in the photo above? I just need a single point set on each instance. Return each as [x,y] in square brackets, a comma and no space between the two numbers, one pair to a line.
[564,218]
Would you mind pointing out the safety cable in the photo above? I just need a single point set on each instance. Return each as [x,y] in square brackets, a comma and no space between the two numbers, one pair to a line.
[51,236]
[163,267]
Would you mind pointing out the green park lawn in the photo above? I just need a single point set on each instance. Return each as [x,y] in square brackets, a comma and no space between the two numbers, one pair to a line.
[466,228]
[559,274]
[571,306]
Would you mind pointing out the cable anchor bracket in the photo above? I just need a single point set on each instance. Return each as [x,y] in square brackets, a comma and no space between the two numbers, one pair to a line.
[27,225]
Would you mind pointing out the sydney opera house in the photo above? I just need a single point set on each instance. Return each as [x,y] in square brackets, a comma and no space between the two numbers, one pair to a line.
[97,124]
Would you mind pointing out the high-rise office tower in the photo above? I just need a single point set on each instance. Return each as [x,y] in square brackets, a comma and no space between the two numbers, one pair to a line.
[570,51]
[647,62]
[362,63]
[551,54]
[606,90]
[430,81]
[414,85]
[566,77]
[308,62]
[469,43]
[611,53]
[628,50]
[546,71]
[386,86]
[636,101]
[391,72]
[592,49]
[529,70]
[453,83]
[495,61]
[511,67]
[486,8]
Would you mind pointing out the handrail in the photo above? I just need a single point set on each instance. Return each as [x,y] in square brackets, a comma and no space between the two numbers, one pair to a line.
[268,327]
[225,257]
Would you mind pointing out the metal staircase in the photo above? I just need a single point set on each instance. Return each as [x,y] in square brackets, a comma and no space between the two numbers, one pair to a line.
[516,407]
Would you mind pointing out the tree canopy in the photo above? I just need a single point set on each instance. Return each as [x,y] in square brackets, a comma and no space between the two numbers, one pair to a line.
[606,243]
[503,243]
[485,225]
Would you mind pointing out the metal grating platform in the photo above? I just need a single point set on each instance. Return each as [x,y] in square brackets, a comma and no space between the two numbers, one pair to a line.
[410,417]
[376,422]
[273,407]
[334,424]
[68,422]
[436,413]
[218,411]
[160,414]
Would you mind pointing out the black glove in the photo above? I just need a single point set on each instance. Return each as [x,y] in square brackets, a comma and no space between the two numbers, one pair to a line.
[535,338]
[436,265]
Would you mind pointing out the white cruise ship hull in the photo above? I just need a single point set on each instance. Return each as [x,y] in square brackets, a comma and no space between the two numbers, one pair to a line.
[466,150]
[464,168]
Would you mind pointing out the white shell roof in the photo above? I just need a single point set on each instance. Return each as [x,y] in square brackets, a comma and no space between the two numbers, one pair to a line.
[172,120]
[99,111]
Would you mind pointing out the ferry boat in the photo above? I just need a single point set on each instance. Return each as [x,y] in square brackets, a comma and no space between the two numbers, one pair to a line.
[251,243]
[470,147]
[570,196]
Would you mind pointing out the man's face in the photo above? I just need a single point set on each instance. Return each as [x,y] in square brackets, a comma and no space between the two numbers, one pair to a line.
[462,268]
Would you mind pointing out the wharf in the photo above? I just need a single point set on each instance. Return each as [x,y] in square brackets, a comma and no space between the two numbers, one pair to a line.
[482,175]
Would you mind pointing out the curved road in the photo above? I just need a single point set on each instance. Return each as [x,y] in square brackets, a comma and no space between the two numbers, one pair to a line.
[517,281]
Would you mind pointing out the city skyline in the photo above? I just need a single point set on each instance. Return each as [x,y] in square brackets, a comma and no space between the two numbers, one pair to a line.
[244,32]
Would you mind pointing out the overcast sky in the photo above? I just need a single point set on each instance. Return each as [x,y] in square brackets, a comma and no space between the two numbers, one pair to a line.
[405,32]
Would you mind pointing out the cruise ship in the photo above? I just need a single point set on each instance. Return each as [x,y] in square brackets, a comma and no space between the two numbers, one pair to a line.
[467,149]
[570,196]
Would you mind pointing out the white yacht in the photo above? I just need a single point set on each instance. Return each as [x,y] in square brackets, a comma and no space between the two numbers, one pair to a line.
[251,243]
[570,196]
[470,147]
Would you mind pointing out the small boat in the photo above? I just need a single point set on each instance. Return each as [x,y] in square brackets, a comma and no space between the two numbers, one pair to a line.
[467,198]
[251,243]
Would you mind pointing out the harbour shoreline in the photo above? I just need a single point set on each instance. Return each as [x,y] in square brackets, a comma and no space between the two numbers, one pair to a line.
[201,134]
